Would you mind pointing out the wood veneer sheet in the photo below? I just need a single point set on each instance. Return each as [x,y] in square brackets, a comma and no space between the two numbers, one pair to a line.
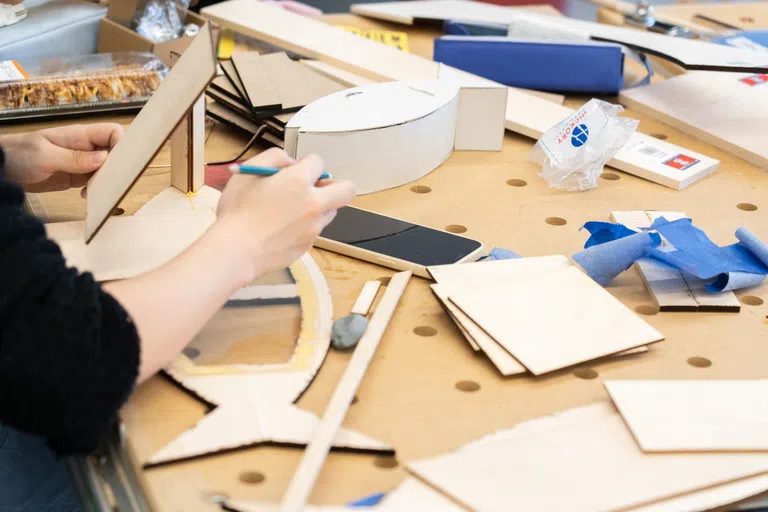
[694,415]
[486,273]
[501,359]
[555,320]
[338,74]
[727,110]
[578,460]
[131,245]
[143,139]
[713,497]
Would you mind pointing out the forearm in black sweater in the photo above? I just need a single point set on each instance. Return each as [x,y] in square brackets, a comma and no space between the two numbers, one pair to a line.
[69,352]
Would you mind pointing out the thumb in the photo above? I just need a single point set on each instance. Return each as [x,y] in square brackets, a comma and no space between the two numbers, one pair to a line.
[77,162]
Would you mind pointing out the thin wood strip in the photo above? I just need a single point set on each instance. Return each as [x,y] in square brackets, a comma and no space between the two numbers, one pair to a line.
[314,457]
[343,77]
[365,299]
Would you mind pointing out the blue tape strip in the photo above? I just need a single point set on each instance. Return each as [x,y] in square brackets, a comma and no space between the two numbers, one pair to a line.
[607,260]
[368,501]
[612,248]
[497,253]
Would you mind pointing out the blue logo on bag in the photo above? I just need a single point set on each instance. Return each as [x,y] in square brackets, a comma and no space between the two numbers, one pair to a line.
[580,136]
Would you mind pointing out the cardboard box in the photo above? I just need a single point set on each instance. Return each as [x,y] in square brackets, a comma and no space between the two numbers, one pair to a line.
[116,36]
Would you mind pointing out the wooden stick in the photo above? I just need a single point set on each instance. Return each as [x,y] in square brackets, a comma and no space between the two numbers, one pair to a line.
[365,299]
[317,450]
[188,149]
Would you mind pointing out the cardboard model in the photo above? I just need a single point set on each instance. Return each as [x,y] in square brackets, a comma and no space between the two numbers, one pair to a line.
[378,136]
[133,245]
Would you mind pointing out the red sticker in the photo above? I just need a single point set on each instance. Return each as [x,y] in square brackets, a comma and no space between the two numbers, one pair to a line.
[755,79]
[681,162]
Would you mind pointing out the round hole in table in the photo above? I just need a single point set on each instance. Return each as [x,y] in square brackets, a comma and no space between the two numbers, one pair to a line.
[252,477]
[514,182]
[647,310]
[751,300]
[468,386]
[117,211]
[424,330]
[585,373]
[610,176]
[386,462]
[421,189]
[659,136]
[455,228]
[384,280]
[556,221]
[746,207]
[699,362]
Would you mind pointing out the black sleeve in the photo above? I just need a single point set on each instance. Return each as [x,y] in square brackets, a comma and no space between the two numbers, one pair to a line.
[69,352]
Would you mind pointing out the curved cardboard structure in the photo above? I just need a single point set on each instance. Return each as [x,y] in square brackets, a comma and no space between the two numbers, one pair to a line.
[378,148]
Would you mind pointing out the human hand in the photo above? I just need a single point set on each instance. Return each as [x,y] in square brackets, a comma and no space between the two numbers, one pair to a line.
[273,220]
[58,158]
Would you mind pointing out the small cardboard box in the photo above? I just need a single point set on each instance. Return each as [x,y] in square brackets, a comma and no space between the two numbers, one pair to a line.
[115,34]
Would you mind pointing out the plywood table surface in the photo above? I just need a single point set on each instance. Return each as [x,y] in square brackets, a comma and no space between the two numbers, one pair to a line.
[411,396]
[744,15]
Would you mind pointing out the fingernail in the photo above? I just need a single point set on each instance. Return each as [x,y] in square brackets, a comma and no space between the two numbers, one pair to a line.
[98,157]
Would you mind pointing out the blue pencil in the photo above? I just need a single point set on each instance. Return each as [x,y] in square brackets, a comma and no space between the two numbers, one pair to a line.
[265,171]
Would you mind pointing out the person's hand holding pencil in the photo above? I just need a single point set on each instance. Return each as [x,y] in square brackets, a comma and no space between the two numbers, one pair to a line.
[273,220]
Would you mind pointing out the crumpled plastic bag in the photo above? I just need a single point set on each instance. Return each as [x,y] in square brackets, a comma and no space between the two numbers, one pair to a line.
[572,153]
[162,20]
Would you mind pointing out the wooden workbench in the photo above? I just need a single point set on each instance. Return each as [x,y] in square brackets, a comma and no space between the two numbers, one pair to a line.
[409,396]
[745,16]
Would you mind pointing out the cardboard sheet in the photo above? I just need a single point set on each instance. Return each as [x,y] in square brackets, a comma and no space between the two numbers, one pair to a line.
[694,415]
[560,319]
[727,110]
[580,460]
